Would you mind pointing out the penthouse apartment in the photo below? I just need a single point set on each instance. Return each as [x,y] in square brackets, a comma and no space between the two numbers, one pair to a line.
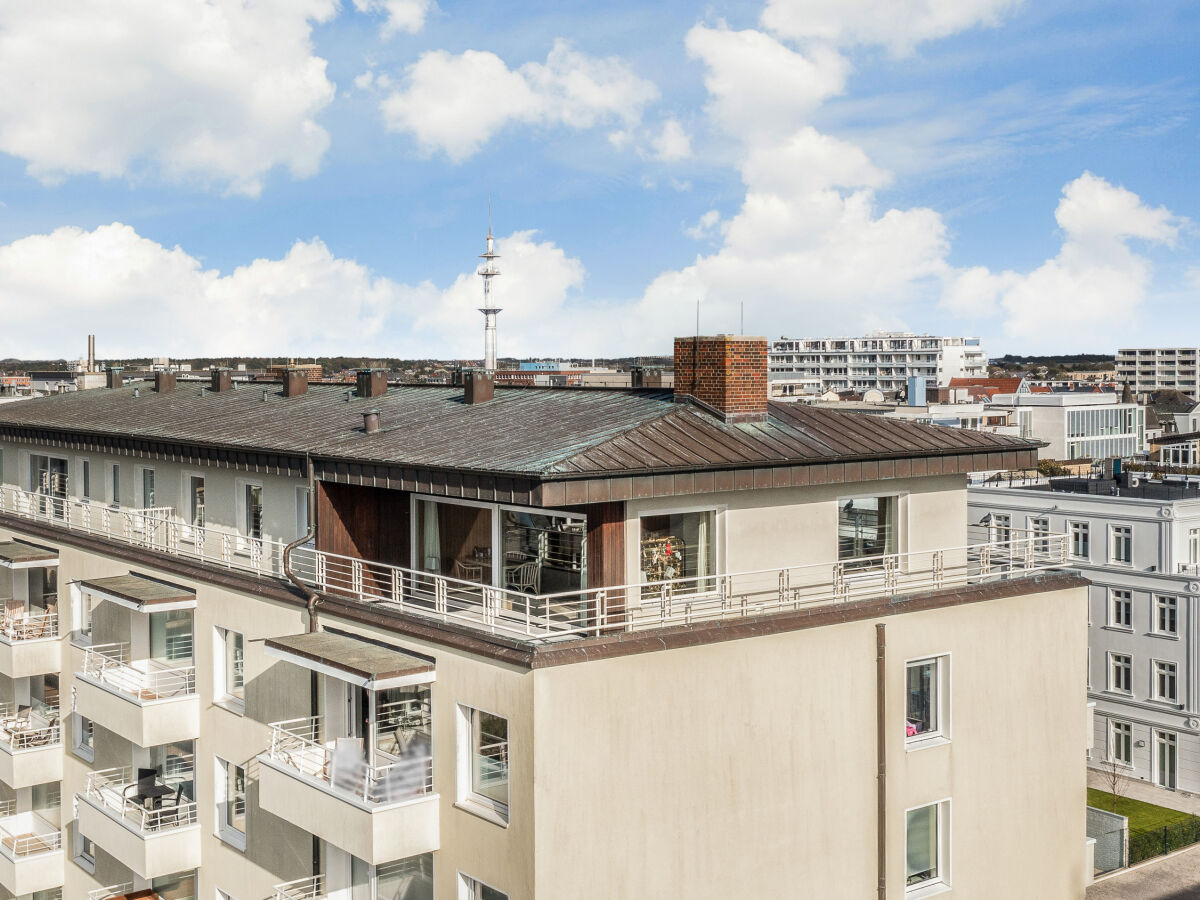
[300,641]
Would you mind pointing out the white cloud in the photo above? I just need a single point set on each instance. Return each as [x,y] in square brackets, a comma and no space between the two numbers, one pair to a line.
[896,24]
[402,15]
[1096,278]
[455,103]
[672,143]
[214,91]
[141,298]
[706,226]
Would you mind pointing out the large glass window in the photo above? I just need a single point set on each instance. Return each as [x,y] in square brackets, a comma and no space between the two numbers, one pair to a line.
[195,497]
[48,477]
[923,712]
[401,879]
[148,493]
[1122,609]
[1122,544]
[543,553]
[456,540]
[473,889]
[171,635]
[484,743]
[923,865]
[1121,742]
[252,511]
[231,801]
[1080,540]
[231,684]
[677,546]
[867,528]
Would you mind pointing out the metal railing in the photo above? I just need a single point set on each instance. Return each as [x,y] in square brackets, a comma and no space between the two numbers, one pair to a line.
[30,727]
[679,601]
[29,625]
[1192,569]
[108,788]
[110,664]
[155,528]
[113,890]
[27,834]
[296,744]
[311,888]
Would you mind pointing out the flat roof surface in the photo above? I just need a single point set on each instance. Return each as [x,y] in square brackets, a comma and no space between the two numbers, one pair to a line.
[355,656]
[20,552]
[140,590]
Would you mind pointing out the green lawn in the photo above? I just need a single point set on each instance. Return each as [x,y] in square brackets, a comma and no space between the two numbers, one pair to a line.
[1142,816]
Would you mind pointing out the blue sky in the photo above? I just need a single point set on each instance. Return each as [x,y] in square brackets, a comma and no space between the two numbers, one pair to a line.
[302,176]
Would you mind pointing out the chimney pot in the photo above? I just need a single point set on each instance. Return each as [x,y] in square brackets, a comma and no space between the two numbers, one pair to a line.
[295,382]
[371,383]
[371,421]
[114,377]
[164,381]
[724,373]
[221,380]
[479,386]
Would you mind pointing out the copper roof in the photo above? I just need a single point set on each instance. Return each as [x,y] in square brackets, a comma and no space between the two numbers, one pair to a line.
[537,432]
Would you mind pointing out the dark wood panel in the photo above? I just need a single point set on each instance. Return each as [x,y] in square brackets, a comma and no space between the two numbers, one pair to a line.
[364,523]
[606,549]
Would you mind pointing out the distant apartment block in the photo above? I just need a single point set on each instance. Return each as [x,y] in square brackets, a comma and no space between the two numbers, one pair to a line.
[884,361]
[1138,543]
[1147,370]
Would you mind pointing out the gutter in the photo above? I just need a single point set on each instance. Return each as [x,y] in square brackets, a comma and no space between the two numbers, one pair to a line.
[881,725]
[313,597]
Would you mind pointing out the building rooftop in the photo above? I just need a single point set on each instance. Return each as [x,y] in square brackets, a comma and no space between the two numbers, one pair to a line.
[1119,487]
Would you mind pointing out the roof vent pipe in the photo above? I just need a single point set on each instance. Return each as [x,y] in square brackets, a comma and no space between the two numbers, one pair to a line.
[371,421]
[114,377]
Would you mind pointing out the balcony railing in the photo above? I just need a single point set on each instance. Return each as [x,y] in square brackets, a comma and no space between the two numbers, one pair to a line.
[26,834]
[142,680]
[116,791]
[18,625]
[155,528]
[679,601]
[29,727]
[311,888]
[296,744]
[1192,569]
[113,890]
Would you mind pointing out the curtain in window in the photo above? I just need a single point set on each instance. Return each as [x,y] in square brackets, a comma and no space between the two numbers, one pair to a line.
[431,543]
[921,845]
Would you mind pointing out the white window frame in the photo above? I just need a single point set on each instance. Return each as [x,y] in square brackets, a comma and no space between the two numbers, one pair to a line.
[718,538]
[185,493]
[1111,679]
[221,696]
[1155,768]
[1158,670]
[468,887]
[114,484]
[244,541]
[80,616]
[302,511]
[467,799]
[139,487]
[225,831]
[84,464]
[1112,545]
[1127,602]
[902,526]
[943,881]
[1163,602]
[78,747]
[941,734]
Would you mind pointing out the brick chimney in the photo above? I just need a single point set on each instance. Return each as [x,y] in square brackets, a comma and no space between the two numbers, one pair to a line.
[479,386]
[371,383]
[113,377]
[221,380]
[164,381]
[295,382]
[725,373]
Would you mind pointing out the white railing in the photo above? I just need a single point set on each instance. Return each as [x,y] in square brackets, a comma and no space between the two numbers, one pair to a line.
[1192,569]
[142,680]
[311,888]
[33,624]
[27,834]
[29,727]
[155,528]
[679,601]
[113,890]
[296,743]
[115,791]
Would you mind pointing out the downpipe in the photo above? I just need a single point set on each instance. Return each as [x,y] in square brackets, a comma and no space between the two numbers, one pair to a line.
[313,599]
[881,757]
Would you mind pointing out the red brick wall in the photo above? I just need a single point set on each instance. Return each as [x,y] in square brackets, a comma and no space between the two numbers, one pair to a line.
[726,372]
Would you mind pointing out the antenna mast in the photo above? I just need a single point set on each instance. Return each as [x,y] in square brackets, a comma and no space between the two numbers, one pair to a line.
[487,272]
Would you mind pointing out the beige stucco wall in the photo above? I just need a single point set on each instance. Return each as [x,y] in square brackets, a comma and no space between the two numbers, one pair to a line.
[747,768]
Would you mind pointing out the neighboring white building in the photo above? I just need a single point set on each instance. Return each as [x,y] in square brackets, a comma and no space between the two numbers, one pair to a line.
[1146,370]
[884,360]
[1140,548]
[1081,426]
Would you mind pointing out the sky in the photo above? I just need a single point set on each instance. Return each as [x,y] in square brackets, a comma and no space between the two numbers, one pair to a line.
[304,177]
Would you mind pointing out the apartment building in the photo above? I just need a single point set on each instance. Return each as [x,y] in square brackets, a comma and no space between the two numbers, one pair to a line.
[1146,370]
[1080,425]
[302,641]
[883,361]
[1138,543]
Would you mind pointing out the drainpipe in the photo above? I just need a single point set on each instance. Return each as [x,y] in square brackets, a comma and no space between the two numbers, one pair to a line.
[881,758]
[313,599]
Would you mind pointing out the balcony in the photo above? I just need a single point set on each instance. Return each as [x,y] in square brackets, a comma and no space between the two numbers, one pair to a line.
[31,857]
[379,809]
[152,832]
[311,888]
[29,639]
[149,702]
[30,745]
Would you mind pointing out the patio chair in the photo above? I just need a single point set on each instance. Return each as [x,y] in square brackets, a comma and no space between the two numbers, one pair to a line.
[175,808]
[141,788]
[525,577]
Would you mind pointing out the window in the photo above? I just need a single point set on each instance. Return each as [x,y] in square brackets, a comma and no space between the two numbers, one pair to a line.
[473,889]
[924,699]
[483,761]
[410,878]
[231,803]
[678,546]
[195,500]
[1120,742]
[1001,527]
[116,485]
[1120,678]
[85,479]
[148,497]
[85,852]
[48,479]
[1166,615]
[252,510]
[81,605]
[1194,546]
[231,676]
[1040,527]
[171,635]
[924,846]
[303,521]
[1121,550]
[1165,682]
[83,737]
[1121,605]
[180,886]
[867,528]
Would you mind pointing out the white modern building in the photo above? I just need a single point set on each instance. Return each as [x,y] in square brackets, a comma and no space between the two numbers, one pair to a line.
[1080,425]
[884,360]
[1146,370]
[1139,546]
